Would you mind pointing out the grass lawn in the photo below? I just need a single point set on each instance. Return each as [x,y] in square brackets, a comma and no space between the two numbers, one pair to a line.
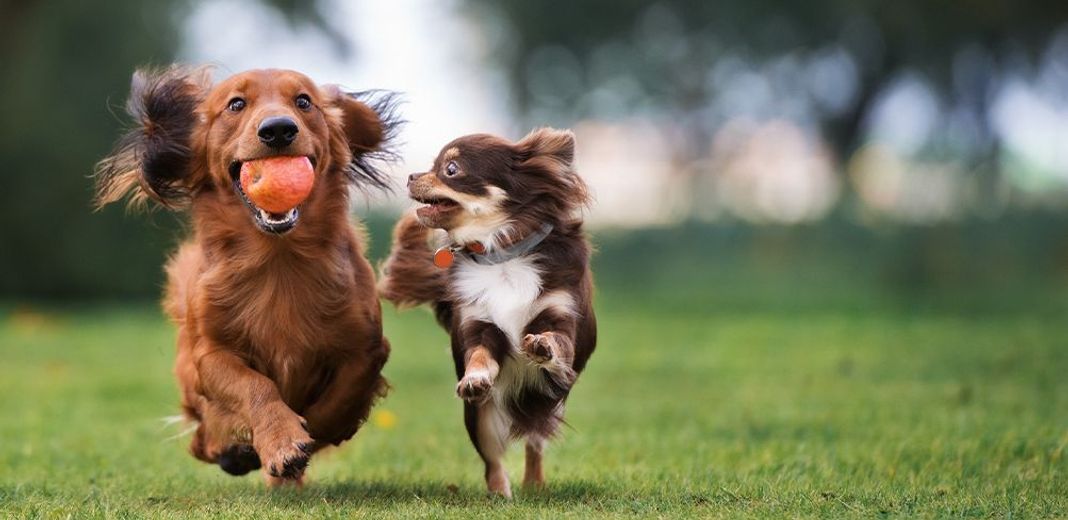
[683,412]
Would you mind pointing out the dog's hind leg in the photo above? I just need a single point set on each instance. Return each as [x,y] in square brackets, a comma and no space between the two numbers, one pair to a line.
[489,429]
[347,400]
[223,438]
[239,459]
[533,476]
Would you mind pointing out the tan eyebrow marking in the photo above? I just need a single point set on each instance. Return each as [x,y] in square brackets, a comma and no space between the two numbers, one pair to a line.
[451,154]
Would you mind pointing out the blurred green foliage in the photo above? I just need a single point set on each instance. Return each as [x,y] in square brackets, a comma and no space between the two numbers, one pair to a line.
[1013,264]
[64,71]
[666,49]
[65,68]
[833,60]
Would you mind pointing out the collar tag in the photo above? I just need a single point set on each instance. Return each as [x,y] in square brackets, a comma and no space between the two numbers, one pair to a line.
[476,251]
[444,257]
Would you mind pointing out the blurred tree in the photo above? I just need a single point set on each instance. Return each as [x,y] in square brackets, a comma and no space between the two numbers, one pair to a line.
[65,68]
[311,13]
[668,59]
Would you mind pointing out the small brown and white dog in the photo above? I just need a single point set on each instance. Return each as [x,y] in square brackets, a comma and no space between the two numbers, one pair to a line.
[510,281]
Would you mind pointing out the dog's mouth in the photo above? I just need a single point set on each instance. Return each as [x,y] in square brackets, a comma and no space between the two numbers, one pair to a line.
[434,206]
[269,222]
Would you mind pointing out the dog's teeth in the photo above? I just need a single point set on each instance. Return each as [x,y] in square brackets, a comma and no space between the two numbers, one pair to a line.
[272,219]
[266,216]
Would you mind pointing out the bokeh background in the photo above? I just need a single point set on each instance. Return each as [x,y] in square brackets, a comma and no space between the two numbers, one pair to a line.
[863,152]
[832,256]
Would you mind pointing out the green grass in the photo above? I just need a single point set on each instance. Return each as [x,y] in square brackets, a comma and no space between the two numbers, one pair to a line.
[683,412]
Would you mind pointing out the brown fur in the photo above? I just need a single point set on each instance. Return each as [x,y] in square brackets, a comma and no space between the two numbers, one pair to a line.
[488,190]
[411,279]
[280,345]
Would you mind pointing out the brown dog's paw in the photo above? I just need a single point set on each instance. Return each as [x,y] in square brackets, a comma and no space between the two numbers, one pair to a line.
[284,445]
[475,386]
[289,463]
[277,482]
[539,347]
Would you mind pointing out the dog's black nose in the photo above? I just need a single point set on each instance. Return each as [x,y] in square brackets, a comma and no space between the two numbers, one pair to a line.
[413,177]
[277,131]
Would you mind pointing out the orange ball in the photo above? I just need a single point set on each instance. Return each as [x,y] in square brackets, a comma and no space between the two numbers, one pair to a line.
[277,184]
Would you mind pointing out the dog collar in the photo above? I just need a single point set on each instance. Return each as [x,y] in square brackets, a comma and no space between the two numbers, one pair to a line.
[476,252]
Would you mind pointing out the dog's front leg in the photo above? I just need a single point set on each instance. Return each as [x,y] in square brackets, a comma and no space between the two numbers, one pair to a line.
[549,342]
[345,403]
[484,345]
[278,433]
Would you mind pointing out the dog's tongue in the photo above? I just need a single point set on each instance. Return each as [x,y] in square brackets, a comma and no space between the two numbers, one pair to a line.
[277,184]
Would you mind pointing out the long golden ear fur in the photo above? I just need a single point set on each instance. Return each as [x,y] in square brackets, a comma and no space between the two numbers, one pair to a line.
[154,159]
[369,124]
[363,128]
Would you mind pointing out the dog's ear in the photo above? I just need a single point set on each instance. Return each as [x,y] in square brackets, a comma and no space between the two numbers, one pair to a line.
[545,164]
[368,123]
[154,159]
[363,126]
[555,145]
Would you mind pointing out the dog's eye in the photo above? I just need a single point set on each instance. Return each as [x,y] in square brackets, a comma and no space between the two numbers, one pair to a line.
[452,168]
[236,105]
[304,102]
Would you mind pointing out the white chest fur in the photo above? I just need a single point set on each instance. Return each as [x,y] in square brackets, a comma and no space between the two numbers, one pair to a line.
[503,294]
[509,296]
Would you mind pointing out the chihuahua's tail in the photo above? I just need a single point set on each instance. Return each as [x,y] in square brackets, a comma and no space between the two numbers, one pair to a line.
[409,276]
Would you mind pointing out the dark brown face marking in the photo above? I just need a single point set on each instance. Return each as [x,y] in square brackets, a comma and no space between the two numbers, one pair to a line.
[461,189]
[480,184]
[472,164]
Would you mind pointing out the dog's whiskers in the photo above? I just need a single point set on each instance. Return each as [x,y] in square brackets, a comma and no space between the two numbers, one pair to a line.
[171,420]
[192,428]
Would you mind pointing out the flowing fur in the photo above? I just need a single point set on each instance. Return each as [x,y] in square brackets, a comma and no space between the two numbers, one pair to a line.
[523,329]
[280,345]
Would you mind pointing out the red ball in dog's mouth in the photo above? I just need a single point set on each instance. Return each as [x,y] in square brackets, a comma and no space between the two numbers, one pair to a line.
[277,184]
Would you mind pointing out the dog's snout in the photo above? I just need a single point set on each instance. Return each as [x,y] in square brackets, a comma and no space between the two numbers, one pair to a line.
[413,177]
[277,131]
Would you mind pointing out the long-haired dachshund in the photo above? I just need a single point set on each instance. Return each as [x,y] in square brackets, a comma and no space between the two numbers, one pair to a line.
[510,282]
[280,345]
